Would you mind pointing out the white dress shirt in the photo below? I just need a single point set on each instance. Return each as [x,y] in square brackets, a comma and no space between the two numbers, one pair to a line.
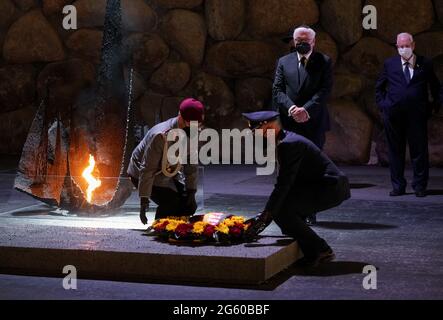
[307,56]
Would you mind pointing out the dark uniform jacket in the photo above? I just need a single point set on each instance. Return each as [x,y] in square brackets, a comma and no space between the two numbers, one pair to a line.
[308,181]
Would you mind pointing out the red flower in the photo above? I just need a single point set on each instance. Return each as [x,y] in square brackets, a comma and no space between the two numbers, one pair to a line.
[236,230]
[183,230]
[209,231]
[161,227]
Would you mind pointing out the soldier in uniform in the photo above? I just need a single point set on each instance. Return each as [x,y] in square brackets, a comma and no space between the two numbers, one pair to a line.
[308,182]
[172,188]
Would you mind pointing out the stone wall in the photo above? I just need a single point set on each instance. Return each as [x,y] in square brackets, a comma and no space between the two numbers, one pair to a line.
[220,51]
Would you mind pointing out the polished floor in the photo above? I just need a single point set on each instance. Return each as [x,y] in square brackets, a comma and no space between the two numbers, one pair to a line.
[401,237]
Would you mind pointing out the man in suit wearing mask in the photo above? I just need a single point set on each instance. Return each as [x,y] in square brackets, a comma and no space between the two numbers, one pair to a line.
[303,82]
[402,93]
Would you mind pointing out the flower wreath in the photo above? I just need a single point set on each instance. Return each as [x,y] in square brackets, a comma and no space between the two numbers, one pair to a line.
[200,229]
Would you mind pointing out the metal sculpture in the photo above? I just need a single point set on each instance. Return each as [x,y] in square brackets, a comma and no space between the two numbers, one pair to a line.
[79,163]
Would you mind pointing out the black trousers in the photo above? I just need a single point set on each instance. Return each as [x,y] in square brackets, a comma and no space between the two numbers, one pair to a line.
[169,202]
[407,124]
[305,200]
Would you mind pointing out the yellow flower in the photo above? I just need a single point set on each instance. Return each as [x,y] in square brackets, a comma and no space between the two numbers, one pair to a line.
[199,227]
[182,219]
[230,222]
[223,228]
[238,219]
[173,224]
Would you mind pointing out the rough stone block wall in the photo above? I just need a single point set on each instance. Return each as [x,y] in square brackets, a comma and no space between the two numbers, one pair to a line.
[220,51]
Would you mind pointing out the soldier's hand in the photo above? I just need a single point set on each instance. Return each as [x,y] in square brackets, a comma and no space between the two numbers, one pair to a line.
[258,224]
[144,207]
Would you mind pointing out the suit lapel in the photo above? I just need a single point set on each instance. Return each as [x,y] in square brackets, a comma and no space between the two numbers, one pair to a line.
[417,67]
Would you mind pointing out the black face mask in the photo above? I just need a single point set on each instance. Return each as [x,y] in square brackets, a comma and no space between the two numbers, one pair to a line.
[303,48]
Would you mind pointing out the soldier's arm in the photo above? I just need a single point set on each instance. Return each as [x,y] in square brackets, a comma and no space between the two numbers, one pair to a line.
[291,157]
[150,165]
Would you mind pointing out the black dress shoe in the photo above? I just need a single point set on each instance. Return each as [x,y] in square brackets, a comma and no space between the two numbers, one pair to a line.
[315,261]
[397,193]
[311,220]
[420,194]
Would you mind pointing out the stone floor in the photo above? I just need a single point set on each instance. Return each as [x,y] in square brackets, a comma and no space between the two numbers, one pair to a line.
[400,236]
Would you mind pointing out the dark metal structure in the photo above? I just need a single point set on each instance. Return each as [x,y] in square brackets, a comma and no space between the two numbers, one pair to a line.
[57,150]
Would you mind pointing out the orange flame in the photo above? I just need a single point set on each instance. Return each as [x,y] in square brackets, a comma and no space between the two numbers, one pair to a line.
[93,183]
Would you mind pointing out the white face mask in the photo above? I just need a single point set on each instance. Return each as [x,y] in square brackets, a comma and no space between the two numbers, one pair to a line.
[406,53]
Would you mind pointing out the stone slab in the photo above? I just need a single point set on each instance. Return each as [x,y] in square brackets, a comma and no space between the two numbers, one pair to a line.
[130,255]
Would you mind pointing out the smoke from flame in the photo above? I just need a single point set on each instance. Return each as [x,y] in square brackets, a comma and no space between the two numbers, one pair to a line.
[93,183]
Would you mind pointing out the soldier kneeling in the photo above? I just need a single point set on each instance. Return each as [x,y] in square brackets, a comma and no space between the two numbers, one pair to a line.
[308,182]
[172,188]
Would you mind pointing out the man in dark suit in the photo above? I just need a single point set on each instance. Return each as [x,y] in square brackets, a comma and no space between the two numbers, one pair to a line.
[302,85]
[308,181]
[402,94]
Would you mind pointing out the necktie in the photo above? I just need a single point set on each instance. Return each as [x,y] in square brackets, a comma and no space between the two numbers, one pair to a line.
[407,73]
[302,71]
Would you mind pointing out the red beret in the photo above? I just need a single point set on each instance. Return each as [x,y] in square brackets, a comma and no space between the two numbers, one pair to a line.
[192,110]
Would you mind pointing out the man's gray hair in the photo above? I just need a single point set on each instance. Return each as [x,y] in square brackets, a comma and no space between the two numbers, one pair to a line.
[405,34]
[305,29]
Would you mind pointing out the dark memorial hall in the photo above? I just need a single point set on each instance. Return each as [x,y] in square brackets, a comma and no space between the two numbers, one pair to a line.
[219,157]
